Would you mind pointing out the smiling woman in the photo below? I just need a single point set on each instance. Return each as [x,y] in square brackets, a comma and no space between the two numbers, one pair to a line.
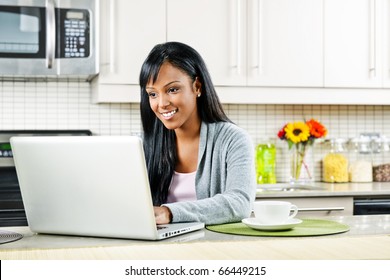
[197,159]
[172,97]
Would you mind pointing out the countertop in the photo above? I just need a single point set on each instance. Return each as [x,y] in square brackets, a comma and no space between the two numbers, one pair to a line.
[368,238]
[320,189]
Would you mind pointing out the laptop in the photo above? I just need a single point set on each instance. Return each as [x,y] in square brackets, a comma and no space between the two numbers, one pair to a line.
[89,186]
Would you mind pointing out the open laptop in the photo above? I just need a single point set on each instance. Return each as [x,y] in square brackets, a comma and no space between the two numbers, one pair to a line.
[89,186]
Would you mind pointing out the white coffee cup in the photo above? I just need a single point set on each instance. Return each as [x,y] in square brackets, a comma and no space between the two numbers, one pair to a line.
[274,212]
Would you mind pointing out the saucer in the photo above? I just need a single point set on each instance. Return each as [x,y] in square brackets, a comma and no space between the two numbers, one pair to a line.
[289,224]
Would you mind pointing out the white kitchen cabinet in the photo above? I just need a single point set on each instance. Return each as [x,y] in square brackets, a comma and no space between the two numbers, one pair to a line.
[128,31]
[285,43]
[320,206]
[257,51]
[356,52]
[253,42]
[386,44]
[217,30]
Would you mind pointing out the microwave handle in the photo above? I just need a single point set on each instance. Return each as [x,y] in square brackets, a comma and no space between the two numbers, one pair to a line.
[112,36]
[50,33]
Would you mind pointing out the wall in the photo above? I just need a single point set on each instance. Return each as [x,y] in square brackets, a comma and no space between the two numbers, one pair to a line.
[66,105]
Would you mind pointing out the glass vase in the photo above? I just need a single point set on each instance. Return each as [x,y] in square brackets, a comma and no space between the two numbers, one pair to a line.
[301,164]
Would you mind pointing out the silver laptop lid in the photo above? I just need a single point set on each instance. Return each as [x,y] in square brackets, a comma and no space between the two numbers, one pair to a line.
[83,185]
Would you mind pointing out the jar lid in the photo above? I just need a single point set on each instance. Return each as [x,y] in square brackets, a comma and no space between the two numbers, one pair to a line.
[361,144]
[337,144]
[382,139]
[360,140]
[381,144]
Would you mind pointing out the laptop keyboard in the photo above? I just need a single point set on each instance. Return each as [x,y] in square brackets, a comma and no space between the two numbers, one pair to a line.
[160,227]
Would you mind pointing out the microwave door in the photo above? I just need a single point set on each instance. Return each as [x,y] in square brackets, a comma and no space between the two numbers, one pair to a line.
[23,34]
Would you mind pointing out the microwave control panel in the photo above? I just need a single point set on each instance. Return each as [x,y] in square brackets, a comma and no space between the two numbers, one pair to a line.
[75,33]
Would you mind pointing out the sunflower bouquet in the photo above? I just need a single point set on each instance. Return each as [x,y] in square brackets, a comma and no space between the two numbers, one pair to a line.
[299,136]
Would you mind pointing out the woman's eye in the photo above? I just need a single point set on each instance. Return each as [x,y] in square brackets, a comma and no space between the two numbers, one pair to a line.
[172,90]
[152,94]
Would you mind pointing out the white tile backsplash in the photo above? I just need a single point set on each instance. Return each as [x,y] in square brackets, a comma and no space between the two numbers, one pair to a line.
[67,105]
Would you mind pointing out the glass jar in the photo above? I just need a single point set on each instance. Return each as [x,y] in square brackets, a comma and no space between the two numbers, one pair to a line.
[265,162]
[360,157]
[335,162]
[381,159]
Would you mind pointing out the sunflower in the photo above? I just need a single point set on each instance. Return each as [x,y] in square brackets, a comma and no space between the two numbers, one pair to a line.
[297,132]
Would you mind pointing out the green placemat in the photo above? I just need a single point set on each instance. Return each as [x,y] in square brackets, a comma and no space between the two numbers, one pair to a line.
[308,227]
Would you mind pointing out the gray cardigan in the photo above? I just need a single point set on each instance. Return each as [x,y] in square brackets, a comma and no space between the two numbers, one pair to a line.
[225,179]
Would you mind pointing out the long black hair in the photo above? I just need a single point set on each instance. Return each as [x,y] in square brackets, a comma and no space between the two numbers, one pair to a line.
[160,142]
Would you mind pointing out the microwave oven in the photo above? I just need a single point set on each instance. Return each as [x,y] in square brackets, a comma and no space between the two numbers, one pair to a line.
[49,38]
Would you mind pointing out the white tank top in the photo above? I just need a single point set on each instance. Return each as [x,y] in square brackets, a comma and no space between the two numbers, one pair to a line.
[182,187]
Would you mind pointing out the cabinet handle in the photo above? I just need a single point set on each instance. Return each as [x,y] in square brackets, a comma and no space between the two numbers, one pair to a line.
[256,14]
[112,36]
[50,33]
[237,41]
[372,38]
[238,37]
[259,37]
[322,209]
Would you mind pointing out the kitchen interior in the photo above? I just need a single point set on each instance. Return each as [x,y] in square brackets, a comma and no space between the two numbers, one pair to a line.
[275,62]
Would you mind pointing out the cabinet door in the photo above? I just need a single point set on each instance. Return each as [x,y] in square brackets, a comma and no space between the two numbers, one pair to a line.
[386,45]
[285,43]
[352,40]
[129,30]
[217,30]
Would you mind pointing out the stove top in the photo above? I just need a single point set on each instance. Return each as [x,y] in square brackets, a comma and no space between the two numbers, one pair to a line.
[11,203]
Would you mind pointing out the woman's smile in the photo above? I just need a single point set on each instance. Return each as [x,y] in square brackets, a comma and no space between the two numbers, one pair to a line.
[169,115]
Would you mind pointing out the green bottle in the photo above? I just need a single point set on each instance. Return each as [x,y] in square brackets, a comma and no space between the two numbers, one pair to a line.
[265,163]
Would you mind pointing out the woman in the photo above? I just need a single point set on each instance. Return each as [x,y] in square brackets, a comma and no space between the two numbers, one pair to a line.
[201,166]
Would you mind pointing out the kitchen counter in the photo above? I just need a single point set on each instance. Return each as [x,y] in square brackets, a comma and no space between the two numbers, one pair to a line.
[368,238]
[320,189]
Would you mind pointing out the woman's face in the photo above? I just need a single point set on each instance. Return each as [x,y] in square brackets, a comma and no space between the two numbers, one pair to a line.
[173,98]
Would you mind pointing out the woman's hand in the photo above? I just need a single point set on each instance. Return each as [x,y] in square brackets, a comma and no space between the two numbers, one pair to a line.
[162,214]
